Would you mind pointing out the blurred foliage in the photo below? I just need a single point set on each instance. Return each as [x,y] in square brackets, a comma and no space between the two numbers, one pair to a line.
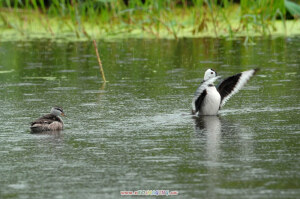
[155,18]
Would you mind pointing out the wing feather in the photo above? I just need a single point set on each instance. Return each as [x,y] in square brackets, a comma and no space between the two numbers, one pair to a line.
[46,119]
[233,84]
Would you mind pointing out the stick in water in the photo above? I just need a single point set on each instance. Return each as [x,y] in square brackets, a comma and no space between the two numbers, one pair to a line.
[99,61]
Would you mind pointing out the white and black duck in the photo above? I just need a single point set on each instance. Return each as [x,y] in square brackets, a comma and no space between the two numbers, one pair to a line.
[209,99]
[49,122]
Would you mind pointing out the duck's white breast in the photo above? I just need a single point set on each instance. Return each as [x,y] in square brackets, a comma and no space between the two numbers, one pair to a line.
[54,126]
[211,102]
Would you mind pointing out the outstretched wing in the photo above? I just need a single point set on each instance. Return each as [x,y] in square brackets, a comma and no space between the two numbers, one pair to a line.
[201,93]
[233,84]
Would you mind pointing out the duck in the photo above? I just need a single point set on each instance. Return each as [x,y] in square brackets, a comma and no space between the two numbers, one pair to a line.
[49,122]
[208,99]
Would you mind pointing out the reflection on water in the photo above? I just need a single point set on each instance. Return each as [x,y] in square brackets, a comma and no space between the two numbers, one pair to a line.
[135,132]
[211,127]
[227,149]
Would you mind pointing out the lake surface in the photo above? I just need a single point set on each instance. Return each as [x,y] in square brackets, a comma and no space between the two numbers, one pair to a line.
[136,133]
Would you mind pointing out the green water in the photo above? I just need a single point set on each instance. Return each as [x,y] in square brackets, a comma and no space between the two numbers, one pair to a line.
[136,132]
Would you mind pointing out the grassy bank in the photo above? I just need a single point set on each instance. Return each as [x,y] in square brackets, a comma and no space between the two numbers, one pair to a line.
[82,20]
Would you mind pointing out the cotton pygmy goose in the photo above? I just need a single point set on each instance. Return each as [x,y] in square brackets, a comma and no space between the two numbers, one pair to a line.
[49,122]
[209,99]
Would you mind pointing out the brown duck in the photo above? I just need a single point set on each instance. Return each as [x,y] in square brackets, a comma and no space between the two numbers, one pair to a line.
[49,122]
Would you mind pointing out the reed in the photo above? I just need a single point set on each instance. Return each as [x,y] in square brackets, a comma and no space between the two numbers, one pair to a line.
[99,61]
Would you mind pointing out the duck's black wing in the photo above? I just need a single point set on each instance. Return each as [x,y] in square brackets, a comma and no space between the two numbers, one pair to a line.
[46,119]
[197,104]
[200,94]
[233,84]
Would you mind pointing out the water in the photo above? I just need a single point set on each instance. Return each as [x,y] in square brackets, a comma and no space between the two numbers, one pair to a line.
[136,132]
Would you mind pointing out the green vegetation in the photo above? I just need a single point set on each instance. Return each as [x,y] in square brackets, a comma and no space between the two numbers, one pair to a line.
[96,19]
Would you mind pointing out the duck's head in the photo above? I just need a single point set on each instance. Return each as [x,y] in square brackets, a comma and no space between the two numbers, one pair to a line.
[57,111]
[209,73]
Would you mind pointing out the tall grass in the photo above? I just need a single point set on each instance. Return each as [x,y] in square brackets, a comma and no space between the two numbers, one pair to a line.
[157,18]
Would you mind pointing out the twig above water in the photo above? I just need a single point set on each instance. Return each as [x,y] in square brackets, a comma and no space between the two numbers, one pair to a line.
[99,61]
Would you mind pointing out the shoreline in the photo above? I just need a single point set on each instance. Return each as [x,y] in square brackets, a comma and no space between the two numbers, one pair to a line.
[25,24]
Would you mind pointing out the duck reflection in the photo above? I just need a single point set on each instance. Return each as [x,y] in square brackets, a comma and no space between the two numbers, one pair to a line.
[219,138]
[211,127]
[208,128]
[210,124]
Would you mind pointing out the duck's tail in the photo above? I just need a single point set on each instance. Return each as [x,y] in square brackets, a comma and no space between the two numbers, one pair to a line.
[36,129]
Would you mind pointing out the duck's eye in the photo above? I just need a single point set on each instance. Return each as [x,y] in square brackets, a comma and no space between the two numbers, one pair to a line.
[211,72]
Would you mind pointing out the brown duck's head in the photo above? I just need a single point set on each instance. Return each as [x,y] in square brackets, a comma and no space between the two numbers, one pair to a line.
[57,111]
